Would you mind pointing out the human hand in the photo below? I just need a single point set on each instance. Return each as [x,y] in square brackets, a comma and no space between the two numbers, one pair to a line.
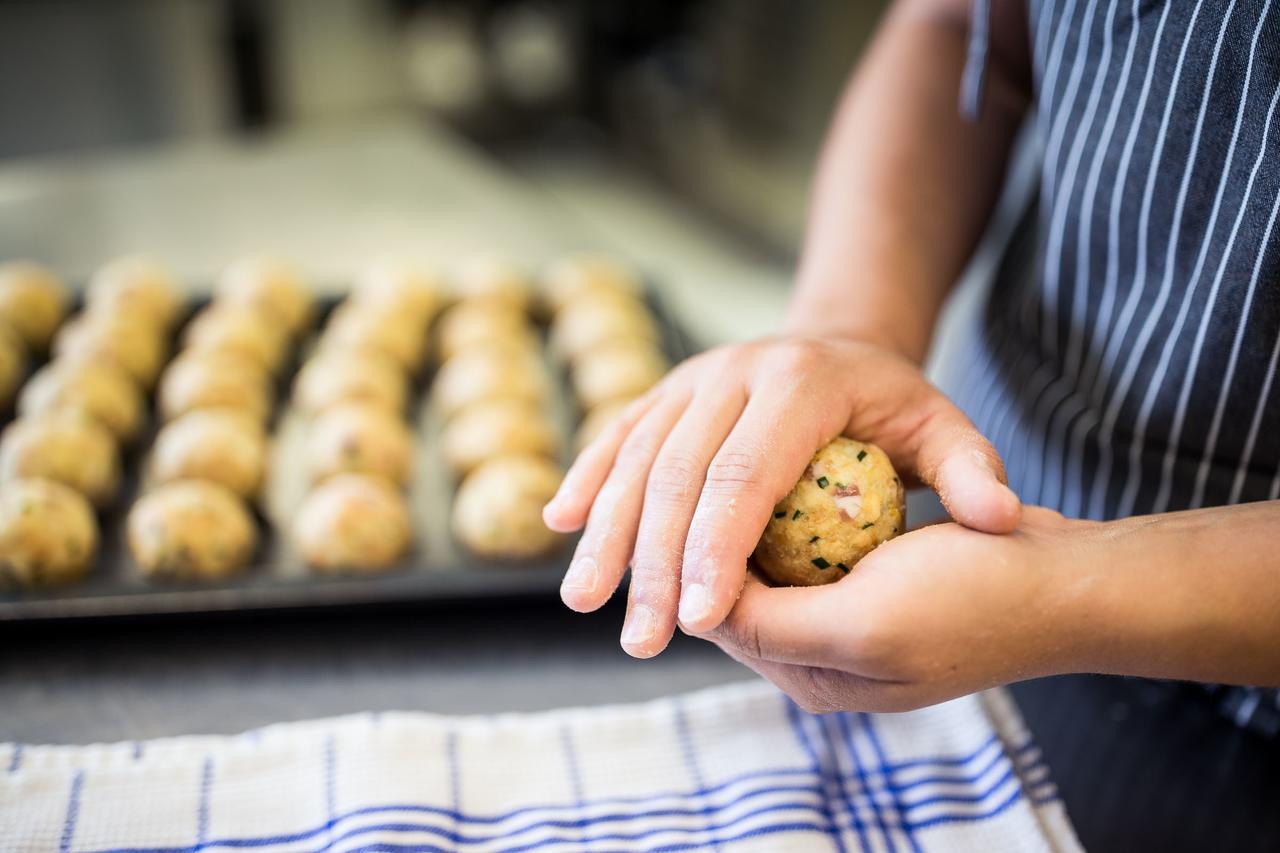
[681,485]
[938,613]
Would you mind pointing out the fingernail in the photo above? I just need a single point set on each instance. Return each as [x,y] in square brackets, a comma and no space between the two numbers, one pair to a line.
[695,604]
[583,575]
[640,627]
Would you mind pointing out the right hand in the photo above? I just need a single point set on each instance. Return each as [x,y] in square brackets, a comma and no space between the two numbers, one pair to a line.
[682,484]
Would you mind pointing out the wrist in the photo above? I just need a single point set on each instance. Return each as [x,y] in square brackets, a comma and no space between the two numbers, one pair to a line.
[841,322]
[1126,611]
[1076,615]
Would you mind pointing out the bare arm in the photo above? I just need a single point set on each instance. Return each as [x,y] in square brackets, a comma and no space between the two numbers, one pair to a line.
[1188,595]
[906,184]
[680,487]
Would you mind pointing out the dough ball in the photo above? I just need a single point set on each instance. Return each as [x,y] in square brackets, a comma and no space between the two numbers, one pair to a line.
[498,509]
[479,323]
[191,530]
[97,390]
[403,286]
[132,342]
[356,325]
[66,448]
[495,278]
[566,280]
[214,380]
[848,501]
[253,334]
[620,370]
[48,534]
[33,301]
[495,428]
[350,376]
[13,364]
[268,286]
[597,420]
[353,523]
[222,446]
[597,319]
[488,374]
[139,289]
[359,439]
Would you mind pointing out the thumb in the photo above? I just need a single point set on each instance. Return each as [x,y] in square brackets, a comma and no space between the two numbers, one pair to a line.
[964,469]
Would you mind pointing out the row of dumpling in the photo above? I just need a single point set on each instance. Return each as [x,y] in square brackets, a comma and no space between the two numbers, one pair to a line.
[61,456]
[501,439]
[81,410]
[360,448]
[603,332]
[195,517]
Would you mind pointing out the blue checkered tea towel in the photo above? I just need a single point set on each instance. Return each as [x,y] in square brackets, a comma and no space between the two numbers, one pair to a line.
[734,768]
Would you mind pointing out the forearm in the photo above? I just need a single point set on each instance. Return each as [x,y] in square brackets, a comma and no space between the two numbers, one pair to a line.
[905,184]
[1189,595]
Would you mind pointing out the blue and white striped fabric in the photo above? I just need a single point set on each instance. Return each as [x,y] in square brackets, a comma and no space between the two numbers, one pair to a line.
[732,769]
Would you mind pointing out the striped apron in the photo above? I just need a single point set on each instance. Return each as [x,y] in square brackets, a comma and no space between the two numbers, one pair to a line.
[1127,355]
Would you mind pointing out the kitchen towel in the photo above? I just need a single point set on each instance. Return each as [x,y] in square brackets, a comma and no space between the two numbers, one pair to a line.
[736,768]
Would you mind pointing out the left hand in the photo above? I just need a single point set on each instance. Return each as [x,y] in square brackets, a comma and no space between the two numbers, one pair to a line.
[938,613]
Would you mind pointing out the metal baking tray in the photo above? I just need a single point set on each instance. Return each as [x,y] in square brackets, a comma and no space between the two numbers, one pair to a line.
[436,570]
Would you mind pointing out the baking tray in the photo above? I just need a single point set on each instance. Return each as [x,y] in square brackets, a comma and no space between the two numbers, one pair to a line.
[436,570]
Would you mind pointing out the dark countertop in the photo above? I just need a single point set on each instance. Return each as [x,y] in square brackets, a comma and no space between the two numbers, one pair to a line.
[1140,765]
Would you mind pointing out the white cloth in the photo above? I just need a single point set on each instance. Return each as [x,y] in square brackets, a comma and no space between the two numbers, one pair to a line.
[735,768]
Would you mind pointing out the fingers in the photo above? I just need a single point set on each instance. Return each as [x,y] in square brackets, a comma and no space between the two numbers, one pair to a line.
[964,469]
[758,463]
[606,545]
[669,501]
[823,691]
[800,626]
[567,510]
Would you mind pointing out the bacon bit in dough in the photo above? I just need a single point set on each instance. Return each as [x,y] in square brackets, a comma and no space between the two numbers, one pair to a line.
[849,501]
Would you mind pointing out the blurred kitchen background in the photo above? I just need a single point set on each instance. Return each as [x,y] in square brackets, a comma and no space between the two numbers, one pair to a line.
[703,112]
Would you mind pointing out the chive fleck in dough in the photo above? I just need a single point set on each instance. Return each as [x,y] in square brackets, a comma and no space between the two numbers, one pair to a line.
[338,376]
[269,285]
[497,512]
[65,447]
[848,502]
[33,301]
[129,340]
[191,530]
[354,438]
[48,533]
[98,390]
[353,523]
[223,446]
